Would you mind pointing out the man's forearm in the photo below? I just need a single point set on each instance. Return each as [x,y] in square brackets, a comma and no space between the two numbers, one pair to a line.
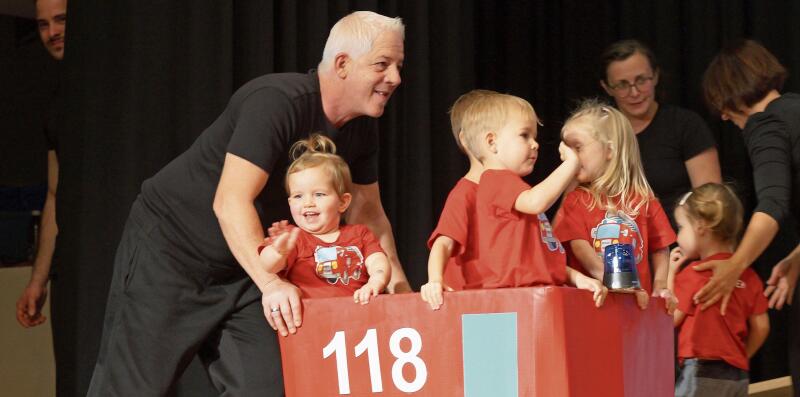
[243,232]
[47,242]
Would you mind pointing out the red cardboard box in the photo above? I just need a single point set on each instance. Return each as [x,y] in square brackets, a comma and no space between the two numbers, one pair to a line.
[541,341]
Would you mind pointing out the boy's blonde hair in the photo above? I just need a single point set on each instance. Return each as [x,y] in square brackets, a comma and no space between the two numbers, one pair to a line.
[355,33]
[320,151]
[622,185]
[458,110]
[491,113]
[717,208]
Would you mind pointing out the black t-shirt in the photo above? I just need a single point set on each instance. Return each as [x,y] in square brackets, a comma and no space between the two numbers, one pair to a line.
[261,122]
[674,136]
[772,138]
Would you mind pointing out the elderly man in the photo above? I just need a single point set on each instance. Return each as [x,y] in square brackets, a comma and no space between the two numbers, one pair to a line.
[187,276]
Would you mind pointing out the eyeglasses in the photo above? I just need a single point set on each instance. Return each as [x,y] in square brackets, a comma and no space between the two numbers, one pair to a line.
[623,88]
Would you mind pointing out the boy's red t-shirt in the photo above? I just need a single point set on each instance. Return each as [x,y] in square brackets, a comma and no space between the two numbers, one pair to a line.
[516,249]
[458,222]
[707,333]
[649,231]
[325,270]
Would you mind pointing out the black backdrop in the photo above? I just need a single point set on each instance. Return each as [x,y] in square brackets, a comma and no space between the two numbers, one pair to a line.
[144,78]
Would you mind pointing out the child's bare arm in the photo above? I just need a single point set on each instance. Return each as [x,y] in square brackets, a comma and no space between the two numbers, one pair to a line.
[759,329]
[678,317]
[587,256]
[599,291]
[273,256]
[541,197]
[660,261]
[379,274]
[441,250]
[676,260]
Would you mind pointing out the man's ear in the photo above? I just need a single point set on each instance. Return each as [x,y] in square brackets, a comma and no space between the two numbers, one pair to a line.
[346,199]
[341,64]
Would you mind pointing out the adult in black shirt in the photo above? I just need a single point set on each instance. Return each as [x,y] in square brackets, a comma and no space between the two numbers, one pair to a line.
[678,151]
[51,17]
[187,276]
[743,84]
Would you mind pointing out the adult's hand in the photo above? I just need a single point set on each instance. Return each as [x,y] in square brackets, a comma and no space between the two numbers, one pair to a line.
[29,305]
[282,308]
[721,284]
[782,281]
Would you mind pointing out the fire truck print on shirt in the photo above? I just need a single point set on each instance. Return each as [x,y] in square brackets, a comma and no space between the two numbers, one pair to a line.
[339,264]
[617,228]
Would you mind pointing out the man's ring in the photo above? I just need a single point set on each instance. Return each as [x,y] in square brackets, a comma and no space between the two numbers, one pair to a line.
[275,309]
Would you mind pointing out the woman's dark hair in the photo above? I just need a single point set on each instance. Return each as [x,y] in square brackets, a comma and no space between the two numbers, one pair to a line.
[743,73]
[622,50]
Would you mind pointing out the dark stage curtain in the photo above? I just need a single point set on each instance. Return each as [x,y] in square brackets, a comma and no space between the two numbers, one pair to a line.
[144,78]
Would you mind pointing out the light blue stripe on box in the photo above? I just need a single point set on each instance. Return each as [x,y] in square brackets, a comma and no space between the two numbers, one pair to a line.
[490,354]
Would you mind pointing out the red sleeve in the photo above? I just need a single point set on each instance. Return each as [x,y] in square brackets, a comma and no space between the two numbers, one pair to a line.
[687,283]
[659,231]
[369,242]
[507,186]
[454,221]
[569,222]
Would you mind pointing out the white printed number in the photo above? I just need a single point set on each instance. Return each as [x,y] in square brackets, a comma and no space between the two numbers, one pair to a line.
[370,345]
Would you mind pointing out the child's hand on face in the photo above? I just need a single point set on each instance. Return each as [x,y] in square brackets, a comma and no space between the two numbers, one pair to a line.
[567,153]
[599,291]
[671,301]
[676,259]
[368,290]
[432,293]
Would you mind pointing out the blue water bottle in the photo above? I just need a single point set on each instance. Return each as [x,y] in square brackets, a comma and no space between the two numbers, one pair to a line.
[620,268]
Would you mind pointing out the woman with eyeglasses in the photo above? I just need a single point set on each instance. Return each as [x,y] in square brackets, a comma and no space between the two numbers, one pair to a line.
[678,151]
[742,84]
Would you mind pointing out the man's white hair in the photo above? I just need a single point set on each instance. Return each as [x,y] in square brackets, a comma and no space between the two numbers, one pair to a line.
[355,33]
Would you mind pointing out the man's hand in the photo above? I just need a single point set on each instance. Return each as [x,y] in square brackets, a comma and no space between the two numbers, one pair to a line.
[282,308]
[782,282]
[29,305]
[721,284]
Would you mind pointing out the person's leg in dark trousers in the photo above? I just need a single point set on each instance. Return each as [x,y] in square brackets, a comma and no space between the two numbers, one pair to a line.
[159,312]
[242,356]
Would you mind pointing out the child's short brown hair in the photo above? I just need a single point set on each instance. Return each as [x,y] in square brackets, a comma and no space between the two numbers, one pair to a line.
[320,151]
[717,208]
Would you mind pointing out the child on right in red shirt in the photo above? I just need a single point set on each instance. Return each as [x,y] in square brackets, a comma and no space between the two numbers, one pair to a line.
[713,349]
[517,247]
